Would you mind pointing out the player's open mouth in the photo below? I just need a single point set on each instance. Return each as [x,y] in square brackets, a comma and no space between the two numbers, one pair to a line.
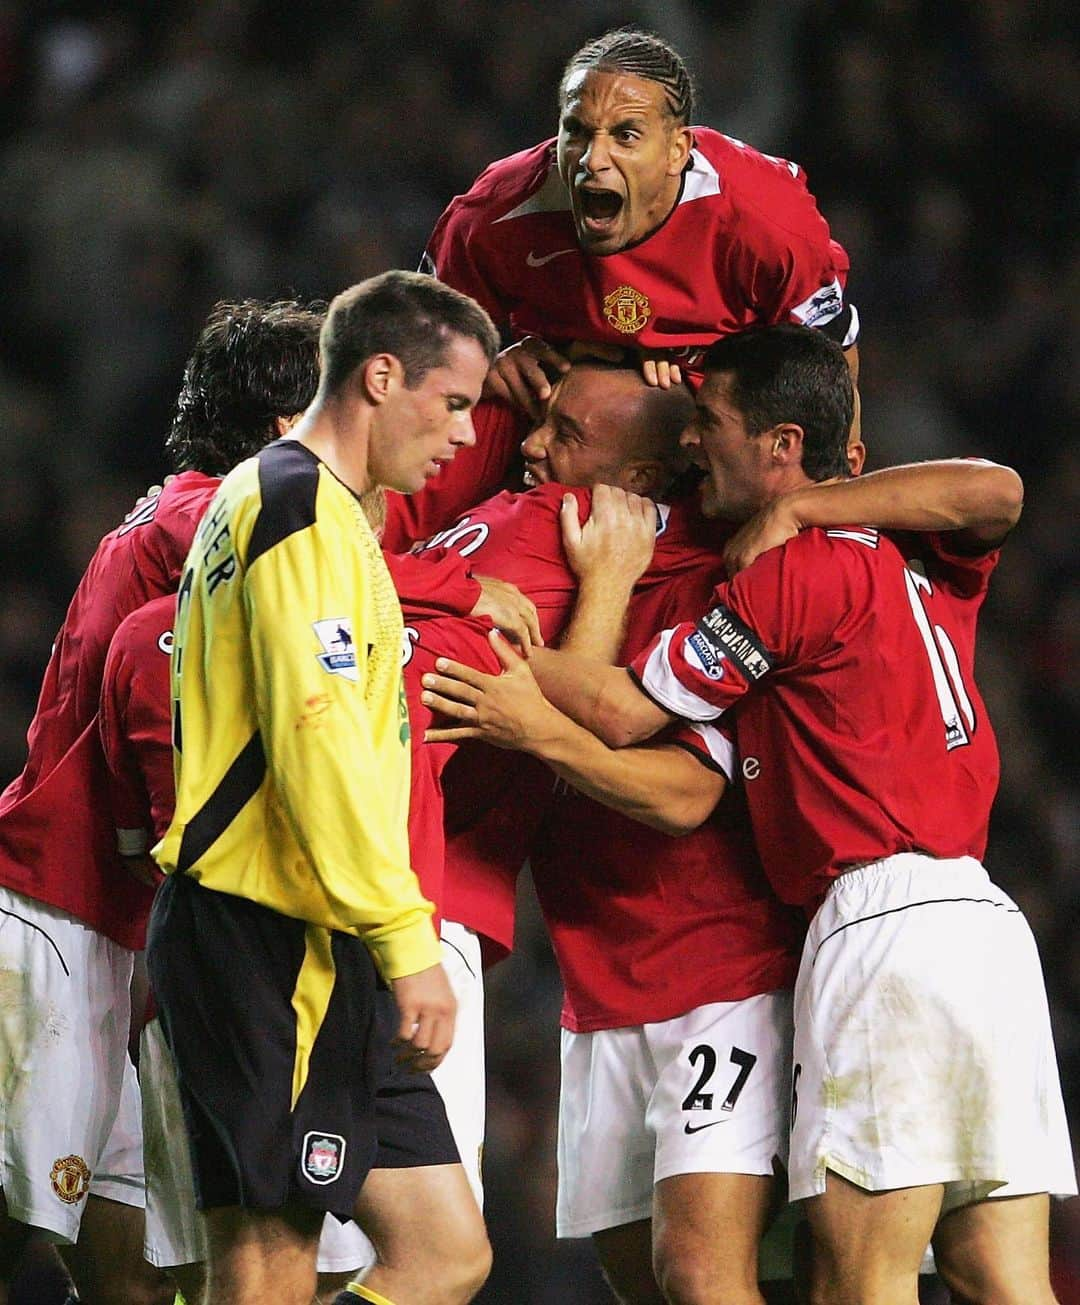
[599,209]
[532,478]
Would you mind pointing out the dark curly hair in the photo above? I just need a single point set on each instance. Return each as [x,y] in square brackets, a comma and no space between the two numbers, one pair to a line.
[641,54]
[254,361]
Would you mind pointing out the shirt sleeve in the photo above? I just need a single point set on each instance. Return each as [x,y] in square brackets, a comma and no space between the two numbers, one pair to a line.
[128,796]
[322,745]
[451,256]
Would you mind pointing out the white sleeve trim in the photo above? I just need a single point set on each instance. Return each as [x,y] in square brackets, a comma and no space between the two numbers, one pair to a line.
[719,746]
[661,684]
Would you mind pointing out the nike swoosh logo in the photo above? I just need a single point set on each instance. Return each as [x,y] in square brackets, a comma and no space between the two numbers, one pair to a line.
[533,261]
[688,1128]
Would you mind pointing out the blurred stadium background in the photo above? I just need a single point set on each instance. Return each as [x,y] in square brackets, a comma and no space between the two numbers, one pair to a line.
[157,157]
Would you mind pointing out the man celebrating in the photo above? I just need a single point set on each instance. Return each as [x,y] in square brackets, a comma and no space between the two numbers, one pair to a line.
[290,892]
[925,1088]
[634,228]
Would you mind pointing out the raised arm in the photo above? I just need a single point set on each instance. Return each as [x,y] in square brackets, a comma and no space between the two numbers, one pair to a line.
[981,501]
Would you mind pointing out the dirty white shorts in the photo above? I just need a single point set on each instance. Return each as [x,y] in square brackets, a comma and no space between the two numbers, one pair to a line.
[705,1092]
[69,1102]
[923,1051]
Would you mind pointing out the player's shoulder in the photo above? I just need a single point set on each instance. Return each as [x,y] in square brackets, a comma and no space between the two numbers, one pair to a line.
[269,497]
[143,634]
[509,183]
[767,194]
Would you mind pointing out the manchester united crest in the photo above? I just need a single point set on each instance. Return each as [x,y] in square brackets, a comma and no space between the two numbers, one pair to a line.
[627,309]
[70,1177]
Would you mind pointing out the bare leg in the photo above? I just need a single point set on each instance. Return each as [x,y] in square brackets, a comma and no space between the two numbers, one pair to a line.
[428,1233]
[13,1238]
[261,1255]
[107,1264]
[997,1252]
[868,1245]
[625,1255]
[706,1232]
[191,1279]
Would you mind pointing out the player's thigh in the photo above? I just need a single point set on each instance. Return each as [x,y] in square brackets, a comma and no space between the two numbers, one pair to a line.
[626,1258]
[706,1232]
[997,1250]
[422,1217]
[262,1254]
[871,1241]
[107,1262]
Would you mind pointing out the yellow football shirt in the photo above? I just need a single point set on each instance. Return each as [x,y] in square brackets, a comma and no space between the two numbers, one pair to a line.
[290,730]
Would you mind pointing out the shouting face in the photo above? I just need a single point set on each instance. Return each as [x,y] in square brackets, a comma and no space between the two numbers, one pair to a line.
[621,156]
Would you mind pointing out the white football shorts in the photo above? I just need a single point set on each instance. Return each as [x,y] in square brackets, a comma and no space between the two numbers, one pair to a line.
[923,1051]
[69,1101]
[174,1228]
[706,1092]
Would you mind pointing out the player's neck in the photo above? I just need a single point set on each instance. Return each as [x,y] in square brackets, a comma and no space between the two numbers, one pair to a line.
[338,436]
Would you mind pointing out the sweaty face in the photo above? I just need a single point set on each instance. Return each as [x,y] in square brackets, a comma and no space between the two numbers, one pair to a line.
[584,438]
[421,429]
[737,463]
[621,156]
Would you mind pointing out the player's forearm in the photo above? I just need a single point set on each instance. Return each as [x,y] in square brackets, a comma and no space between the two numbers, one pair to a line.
[601,698]
[663,787]
[598,625]
[956,494]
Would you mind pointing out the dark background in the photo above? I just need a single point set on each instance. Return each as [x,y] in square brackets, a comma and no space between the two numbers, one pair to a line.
[157,157]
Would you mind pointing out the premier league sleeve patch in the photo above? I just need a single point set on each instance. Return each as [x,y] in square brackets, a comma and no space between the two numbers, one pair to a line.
[322,1157]
[335,635]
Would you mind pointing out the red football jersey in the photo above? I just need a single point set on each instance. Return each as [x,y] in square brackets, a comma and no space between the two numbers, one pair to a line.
[518,537]
[745,245]
[136,726]
[57,839]
[645,926]
[863,733]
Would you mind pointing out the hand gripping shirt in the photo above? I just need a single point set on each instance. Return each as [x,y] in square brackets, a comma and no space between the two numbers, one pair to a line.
[290,730]
[860,730]
[745,245]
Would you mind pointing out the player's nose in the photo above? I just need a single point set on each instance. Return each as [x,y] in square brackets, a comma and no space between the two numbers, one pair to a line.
[534,445]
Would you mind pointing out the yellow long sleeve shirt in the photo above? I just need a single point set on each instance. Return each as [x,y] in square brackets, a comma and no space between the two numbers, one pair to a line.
[290,730]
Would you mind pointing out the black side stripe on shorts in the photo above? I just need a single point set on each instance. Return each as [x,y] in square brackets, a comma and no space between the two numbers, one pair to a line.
[239,784]
[22,918]
[931,901]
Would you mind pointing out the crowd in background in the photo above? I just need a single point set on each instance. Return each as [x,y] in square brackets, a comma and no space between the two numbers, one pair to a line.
[156,158]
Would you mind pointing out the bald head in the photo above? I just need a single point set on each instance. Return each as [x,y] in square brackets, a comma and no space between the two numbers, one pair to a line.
[604,425]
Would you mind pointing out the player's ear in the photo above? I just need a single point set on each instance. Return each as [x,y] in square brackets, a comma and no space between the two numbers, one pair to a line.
[856,456]
[787,443]
[378,376]
[645,477]
[679,147]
